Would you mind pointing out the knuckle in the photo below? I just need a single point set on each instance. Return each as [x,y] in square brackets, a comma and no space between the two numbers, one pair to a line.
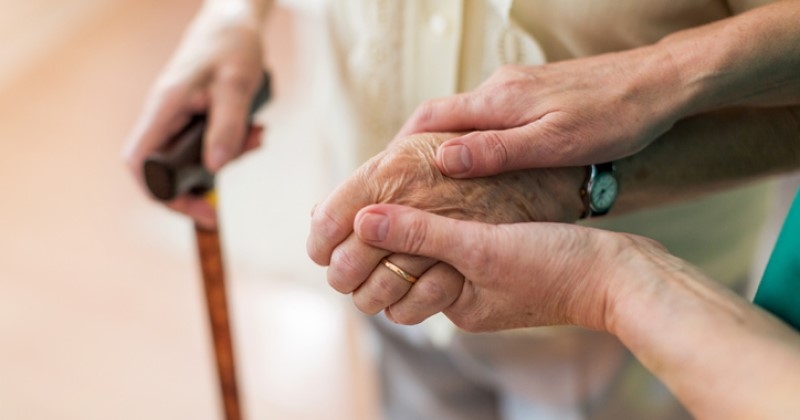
[338,283]
[432,292]
[507,74]
[496,150]
[474,256]
[415,238]
[424,114]
[231,77]
[326,227]
[366,305]
[375,299]
[342,272]
[503,72]
[406,317]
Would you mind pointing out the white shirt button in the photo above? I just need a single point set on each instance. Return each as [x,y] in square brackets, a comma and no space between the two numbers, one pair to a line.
[438,25]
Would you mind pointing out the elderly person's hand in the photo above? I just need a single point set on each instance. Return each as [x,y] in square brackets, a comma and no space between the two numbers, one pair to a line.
[720,355]
[405,174]
[216,70]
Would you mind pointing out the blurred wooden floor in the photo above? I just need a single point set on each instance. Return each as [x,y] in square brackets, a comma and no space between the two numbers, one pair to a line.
[101,315]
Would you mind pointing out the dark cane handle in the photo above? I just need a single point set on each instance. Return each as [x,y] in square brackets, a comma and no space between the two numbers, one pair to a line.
[177,168]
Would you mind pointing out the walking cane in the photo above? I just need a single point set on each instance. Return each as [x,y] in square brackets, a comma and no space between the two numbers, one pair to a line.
[175,170]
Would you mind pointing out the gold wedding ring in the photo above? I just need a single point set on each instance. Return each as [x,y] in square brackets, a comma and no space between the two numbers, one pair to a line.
[399,271]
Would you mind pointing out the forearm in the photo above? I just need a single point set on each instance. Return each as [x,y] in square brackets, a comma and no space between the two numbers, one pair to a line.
[706,153]
[720,76]
[720,355]
[750,59]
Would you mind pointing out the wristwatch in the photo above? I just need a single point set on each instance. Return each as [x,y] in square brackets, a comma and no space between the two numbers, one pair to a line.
[600,190]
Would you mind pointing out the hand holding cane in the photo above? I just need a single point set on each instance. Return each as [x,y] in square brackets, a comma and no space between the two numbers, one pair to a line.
[175,170]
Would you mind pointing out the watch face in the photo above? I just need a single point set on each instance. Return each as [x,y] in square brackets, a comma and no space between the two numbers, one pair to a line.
[604,192]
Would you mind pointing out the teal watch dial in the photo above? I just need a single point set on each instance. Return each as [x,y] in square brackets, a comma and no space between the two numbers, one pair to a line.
[603,193]
[600,190]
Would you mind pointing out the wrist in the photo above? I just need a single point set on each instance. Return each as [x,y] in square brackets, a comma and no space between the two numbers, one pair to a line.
[700,69]
[634,288]
[661,84]
[571,182]
[609,286]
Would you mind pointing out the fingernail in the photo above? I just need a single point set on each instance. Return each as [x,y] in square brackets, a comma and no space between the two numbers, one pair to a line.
[456,159]
[373,227]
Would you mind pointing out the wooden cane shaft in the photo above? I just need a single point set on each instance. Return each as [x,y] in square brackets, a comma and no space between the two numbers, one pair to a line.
[208,245]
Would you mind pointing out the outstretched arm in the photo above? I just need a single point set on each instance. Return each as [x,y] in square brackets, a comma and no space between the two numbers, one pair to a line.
[606,107]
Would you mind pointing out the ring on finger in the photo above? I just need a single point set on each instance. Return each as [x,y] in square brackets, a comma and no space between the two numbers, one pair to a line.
[403,274]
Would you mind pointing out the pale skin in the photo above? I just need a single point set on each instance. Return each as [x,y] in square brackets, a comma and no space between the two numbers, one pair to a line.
[699,155]
[216,70]
[604,107]
[679,323]
[723,111]
[218,67]
[702,93]
[405,174]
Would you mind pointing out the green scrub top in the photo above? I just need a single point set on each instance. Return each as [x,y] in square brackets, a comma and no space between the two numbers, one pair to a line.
[779,290]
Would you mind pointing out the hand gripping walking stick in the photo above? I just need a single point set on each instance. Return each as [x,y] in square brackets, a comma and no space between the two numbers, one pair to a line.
[175,170]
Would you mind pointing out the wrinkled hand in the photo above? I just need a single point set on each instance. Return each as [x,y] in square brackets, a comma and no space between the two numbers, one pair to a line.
[216,70]
[405,174]
[517,275]
[674,319]
[567,113]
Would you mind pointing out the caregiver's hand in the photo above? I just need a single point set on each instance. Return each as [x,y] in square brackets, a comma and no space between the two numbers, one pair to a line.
[610,106]
[405,174]
[676,321]
[517,275]
[216,70]
[567,113]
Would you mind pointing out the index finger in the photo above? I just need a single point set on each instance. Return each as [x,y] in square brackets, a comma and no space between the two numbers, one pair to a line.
[459,112]
[231,96]
[332,220]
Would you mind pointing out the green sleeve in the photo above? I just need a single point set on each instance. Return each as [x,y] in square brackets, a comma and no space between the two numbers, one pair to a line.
[779,290]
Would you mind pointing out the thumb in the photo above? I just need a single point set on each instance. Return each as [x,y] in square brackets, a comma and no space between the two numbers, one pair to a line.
[484,153]
[411,231]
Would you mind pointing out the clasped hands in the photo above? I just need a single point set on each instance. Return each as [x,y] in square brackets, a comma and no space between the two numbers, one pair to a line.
[400,207]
